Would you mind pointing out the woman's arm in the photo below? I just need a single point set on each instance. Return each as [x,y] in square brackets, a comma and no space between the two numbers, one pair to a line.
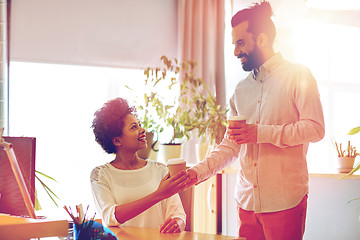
[167,188]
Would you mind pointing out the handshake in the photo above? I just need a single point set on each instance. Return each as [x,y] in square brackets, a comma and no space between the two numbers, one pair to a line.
[178,173]
[178,179]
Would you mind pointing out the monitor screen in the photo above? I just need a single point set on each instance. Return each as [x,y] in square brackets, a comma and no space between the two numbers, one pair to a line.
[11,200]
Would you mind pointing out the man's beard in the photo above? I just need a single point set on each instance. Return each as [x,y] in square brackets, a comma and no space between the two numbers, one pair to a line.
[253,60]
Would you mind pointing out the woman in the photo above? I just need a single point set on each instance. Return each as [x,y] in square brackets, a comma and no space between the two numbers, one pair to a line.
[131,191]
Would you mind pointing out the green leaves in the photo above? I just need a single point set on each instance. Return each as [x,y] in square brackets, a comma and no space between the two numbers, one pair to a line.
[195,109]
[50,193]
[354,131]
[355,169]
[169,112]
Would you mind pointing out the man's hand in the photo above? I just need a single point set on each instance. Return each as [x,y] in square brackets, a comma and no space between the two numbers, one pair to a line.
[192,177]
[246,134]
[172,225]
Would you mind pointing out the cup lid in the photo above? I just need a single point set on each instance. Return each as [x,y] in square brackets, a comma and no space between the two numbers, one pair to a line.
[175,161]
[237,118]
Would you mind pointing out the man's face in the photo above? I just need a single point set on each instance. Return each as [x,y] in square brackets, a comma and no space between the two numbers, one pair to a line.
[245,47]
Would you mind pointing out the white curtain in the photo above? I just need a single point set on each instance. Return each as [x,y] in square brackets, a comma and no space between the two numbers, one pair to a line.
[201,38]
[4,67]
[111,33]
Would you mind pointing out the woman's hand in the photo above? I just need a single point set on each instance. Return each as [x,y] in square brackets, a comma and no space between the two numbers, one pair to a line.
[172,225]
[172,185]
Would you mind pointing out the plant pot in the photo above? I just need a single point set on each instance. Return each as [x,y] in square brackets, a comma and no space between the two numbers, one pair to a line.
[144,153]
[202,150]
[345,164]
[167,151]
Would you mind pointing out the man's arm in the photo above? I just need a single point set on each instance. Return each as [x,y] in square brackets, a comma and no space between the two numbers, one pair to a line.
[309,126]
[221,157]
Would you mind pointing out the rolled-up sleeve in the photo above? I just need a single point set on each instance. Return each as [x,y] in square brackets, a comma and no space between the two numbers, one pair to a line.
[223,155]
[174,208]
[309,124]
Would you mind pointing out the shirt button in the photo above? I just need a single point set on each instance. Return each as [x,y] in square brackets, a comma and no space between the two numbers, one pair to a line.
[255,164]
[257,122]
[259,101]
[255,186]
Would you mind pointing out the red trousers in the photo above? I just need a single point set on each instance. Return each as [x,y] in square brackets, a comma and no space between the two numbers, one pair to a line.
[283,225]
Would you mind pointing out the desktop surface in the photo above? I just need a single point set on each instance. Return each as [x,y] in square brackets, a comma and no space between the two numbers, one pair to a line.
[131,233]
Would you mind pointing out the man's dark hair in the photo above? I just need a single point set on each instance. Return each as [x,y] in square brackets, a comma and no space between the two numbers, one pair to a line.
[259,17]
[109,122]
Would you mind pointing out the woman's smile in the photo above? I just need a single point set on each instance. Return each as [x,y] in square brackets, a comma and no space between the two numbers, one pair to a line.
[142,138]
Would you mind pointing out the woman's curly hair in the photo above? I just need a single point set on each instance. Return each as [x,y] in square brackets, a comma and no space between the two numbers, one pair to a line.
[109,122]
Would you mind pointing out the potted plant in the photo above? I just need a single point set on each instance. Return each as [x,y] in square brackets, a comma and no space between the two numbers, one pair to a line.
[346,157]
[207,118]
[193,109]
[166,105]
[357,167]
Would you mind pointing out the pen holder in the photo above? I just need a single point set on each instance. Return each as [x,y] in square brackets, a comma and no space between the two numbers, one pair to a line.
[92,230]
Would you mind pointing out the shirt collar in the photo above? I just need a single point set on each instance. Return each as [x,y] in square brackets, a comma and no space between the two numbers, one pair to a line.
[268,66]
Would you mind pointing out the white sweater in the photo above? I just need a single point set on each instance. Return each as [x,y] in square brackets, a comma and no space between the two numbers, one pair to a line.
[111,187]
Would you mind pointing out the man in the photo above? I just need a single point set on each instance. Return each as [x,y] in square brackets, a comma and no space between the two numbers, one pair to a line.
[281,103]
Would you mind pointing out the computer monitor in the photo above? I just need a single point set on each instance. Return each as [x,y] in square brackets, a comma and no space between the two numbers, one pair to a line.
[11,200]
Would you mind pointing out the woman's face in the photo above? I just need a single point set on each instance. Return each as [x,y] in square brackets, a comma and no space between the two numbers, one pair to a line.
[133,137]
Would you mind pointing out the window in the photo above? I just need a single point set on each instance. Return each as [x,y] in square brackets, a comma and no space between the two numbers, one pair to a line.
[331,53]
[55,104]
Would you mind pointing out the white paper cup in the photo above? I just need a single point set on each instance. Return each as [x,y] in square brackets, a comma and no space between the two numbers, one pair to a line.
[175,165]
[236,121]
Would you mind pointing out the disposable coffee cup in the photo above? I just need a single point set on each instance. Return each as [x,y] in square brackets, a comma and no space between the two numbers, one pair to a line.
[236,121]
[176,165]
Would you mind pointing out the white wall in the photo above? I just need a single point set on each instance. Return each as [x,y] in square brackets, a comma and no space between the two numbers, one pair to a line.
[329,216]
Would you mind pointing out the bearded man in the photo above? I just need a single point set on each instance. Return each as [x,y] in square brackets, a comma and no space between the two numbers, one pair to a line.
[281,103]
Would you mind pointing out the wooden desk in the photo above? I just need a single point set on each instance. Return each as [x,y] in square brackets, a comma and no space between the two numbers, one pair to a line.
[13,227]
[137,233]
